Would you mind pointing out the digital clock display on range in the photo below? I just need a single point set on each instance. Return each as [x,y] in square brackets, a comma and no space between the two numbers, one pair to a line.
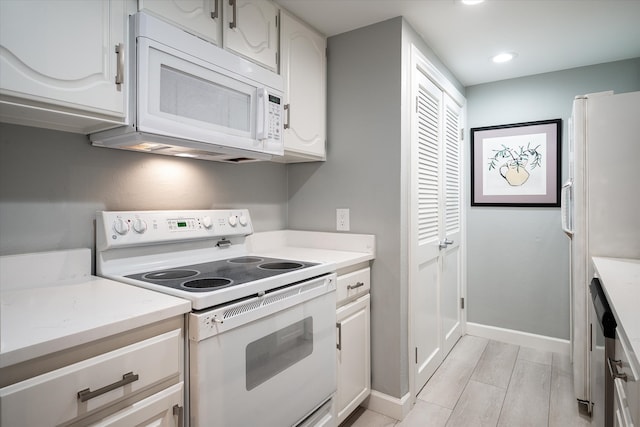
[181,224]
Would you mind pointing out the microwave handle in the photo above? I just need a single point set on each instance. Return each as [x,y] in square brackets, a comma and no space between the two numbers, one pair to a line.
[262,116]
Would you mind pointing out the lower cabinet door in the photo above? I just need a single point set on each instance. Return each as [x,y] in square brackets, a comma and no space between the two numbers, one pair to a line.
[163,409]
[353,353]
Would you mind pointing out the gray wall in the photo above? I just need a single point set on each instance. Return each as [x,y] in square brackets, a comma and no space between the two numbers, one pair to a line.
[518,258]
[368,145]
[362,173]
[52,183]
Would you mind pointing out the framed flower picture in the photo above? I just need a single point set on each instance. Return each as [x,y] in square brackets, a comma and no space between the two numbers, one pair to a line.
[516,164]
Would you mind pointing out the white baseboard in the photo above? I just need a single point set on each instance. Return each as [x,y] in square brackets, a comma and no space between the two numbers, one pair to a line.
[526,339]
[388,405]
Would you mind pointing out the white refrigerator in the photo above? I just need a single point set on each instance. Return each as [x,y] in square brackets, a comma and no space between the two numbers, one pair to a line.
[600,203]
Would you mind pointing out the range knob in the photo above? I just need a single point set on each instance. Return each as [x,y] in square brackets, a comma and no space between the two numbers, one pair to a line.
[121,226]
[233,220]
[139,226]
[207,222]
[243,220]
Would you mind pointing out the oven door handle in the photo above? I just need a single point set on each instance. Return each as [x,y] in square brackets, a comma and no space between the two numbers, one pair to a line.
[339,343]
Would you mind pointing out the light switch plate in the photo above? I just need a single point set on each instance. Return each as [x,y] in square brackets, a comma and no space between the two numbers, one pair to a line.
[342,219]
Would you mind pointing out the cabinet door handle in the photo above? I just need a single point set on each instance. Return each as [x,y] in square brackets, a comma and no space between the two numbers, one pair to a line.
[214,14]
[613,369]
[179,412]
[339,344]
[120,64]
[86,394]
[287,108]
[356,286]
[234,21]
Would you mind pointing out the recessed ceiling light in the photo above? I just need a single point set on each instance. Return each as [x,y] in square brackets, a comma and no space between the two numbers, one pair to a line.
[186,155]
[471,2]
[503,57]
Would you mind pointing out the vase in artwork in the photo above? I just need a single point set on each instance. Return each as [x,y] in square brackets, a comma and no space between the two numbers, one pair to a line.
[515,174]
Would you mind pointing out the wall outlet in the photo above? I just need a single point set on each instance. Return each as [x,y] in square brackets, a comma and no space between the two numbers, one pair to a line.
[342,219]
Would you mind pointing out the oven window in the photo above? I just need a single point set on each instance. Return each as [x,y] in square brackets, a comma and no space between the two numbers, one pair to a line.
[274,353]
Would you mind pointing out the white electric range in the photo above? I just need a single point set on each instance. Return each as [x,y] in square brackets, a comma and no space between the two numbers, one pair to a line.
[262,329]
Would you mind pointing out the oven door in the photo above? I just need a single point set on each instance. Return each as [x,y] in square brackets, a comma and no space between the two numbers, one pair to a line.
[270,360]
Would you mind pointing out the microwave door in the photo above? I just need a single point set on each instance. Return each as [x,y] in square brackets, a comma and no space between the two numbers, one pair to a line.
[181,96]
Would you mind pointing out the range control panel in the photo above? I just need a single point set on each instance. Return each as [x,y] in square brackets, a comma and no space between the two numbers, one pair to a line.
[135,228]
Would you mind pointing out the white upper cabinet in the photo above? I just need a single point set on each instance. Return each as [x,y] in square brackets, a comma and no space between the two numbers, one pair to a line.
[251,30]
[303,69]
[59,61]
[200,17]
[245,27]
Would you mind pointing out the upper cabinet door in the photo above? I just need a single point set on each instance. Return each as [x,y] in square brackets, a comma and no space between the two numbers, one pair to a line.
[63,53]
[303,69]
[199,17]
[251,30]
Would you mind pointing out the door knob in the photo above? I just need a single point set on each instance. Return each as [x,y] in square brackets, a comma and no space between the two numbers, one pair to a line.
[444,243]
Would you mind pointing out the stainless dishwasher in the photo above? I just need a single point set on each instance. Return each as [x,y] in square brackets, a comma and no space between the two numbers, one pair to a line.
[602,347]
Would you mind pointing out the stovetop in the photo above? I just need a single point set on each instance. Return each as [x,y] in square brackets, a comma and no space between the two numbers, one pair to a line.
[210,276]
[199,255]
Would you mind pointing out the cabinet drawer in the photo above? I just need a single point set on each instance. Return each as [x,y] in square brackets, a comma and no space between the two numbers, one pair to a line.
[54,398]
[353,284]
[163,409]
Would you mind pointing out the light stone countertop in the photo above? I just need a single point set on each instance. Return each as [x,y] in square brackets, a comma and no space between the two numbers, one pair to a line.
[343,250]
[72,309]
[620,280]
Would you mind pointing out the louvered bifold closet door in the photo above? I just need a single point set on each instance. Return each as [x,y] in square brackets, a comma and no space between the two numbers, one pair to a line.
[425,223]
[451,254]
[452,158]
[428,165]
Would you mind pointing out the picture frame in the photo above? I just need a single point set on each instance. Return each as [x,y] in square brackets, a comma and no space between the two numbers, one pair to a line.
[517,164]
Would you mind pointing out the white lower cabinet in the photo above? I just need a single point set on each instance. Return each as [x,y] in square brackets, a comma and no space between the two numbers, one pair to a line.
[137,384]
[163,409]
[626,399]
[353,342]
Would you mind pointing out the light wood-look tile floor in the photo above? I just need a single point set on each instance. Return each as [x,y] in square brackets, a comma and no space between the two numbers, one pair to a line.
[489,383]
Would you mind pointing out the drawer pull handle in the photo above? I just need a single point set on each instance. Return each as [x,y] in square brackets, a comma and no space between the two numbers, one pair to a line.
[87,394]
[613,369]
[214,14]
[178,411]
[120,64]
[339,343]
[356,286]
[234,21]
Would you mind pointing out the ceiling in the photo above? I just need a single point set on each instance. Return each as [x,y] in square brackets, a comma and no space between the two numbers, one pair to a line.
[547,35]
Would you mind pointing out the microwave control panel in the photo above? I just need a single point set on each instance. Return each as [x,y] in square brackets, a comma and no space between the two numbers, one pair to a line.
[275,118]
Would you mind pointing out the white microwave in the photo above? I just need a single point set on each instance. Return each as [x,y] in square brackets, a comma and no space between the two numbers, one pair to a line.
[189,98]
